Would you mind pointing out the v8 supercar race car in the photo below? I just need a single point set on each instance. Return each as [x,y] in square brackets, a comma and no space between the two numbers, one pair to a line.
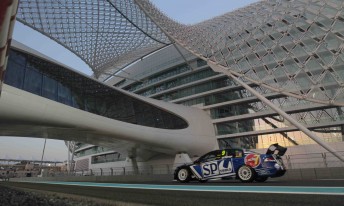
[247,166]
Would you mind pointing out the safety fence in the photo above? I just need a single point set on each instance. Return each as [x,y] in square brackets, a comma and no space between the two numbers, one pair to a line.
[295,161]
[291,162]
[140,170]
[312,160]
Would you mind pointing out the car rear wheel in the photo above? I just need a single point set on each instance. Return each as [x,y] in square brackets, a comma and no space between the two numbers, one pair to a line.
[246,174]
[183,175]
[261,179]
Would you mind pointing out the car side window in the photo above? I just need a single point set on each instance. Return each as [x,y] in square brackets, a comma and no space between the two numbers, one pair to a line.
[209,156]
[239,153]
[230,153]
[235,153]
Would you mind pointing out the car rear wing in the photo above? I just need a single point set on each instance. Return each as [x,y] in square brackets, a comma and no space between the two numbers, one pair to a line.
[276,149]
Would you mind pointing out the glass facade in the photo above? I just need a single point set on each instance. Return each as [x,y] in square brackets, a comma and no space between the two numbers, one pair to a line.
[234,127]
[158,77]
[241,142]
[178,81]
[105,158]
[90,151]
[204,87]
[59,84]
[102,158]
[251,115]
[286,139]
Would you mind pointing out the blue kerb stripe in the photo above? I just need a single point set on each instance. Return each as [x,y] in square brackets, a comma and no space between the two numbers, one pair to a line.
[249,189]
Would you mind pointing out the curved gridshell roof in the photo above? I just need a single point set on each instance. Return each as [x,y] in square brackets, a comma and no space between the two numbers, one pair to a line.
[106,34]
[293,47]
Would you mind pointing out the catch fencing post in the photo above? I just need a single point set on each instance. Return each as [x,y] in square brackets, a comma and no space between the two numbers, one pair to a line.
[324,158]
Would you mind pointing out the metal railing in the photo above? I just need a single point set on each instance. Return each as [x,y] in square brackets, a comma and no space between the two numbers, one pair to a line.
[294,161]
[141,170]
[312,160]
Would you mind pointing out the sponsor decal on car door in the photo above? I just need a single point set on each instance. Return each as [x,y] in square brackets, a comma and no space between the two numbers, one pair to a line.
[253,160]
[217,168]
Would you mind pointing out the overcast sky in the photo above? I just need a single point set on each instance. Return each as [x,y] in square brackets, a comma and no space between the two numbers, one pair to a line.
[183,11]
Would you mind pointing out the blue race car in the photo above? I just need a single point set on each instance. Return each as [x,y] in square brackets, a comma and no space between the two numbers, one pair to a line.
[247,166]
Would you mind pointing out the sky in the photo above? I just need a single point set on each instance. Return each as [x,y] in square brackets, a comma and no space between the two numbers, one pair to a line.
[183,11]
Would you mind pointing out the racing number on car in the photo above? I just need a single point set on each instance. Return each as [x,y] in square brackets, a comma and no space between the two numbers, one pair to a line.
[217,168]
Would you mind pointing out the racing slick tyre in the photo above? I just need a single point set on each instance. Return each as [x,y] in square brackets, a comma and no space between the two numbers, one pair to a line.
[261,179]
[183,175]
[246,174]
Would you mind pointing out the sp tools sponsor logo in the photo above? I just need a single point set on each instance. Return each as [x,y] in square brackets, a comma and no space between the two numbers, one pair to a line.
[217,168]
[253,160]
[210,169]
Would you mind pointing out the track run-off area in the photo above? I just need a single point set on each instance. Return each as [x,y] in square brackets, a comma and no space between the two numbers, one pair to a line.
[212,188]
[317,192]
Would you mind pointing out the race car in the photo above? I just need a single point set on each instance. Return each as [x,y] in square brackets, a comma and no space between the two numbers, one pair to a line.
[247,166]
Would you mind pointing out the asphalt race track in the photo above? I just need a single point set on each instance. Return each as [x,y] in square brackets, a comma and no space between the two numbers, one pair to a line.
[317,192]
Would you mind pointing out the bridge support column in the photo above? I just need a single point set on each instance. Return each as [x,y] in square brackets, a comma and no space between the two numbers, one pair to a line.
[131,163]
[180,159]
[8,12]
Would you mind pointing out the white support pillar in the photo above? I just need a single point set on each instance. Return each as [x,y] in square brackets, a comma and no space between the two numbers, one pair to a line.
[68,158]
[131,165]
[45,142]
[180,159]
[71,167]
[8,10]
[314,137]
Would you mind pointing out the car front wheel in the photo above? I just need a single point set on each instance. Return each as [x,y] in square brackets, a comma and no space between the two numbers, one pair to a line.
[183,175]
[246,174]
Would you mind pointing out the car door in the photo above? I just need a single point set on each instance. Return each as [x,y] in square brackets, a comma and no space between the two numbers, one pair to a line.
[209,165]
[206,166]
[217,164]
[238,158]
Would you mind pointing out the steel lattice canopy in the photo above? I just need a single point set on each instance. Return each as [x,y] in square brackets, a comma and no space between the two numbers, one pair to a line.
[291,47]
[106,34]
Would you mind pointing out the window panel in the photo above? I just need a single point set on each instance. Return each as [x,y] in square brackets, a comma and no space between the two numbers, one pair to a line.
[33,81]
[49,89]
